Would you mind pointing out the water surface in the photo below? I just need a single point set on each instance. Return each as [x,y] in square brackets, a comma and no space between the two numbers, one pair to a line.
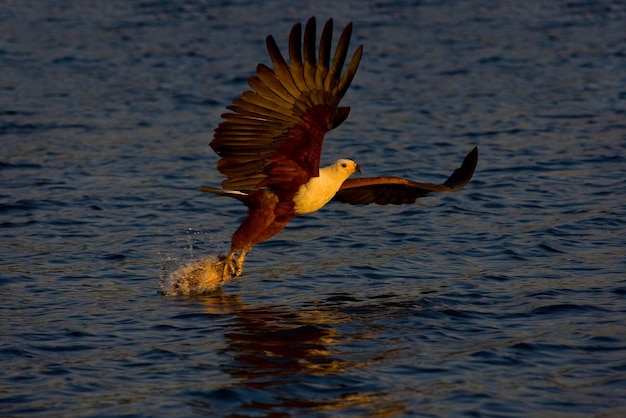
[505,299]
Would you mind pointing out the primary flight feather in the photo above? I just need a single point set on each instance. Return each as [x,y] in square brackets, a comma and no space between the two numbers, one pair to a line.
[271,141]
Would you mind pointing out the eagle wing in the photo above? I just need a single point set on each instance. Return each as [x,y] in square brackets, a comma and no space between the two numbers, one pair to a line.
[274,133]
[397,190]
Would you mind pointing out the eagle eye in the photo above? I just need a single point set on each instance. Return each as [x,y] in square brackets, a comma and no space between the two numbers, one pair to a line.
[344,165]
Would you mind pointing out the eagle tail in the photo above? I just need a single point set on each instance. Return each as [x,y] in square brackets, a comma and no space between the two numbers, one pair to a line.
[235,194]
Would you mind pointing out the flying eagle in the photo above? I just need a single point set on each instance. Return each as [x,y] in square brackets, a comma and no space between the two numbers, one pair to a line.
[270,143]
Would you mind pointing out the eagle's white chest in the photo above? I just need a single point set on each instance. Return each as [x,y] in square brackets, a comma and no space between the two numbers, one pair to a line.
[320,190]
[315,194]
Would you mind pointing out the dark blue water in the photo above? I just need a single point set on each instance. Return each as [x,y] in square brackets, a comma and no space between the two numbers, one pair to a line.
[505,299]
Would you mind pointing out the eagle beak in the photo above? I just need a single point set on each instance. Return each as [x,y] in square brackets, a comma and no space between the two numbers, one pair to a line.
[357,169]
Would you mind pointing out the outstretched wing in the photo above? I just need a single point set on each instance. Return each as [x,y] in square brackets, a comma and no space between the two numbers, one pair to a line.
[397,190]
[273,137]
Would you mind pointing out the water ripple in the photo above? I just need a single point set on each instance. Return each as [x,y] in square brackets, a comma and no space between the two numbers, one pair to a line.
[505,299]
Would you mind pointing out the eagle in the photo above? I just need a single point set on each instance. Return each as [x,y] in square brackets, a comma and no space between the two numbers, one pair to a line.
[270,143]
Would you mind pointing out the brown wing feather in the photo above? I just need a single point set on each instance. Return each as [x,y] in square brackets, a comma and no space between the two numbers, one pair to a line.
[273,137]
[397,190]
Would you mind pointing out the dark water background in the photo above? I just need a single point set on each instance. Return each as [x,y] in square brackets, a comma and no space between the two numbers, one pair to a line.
[505,299]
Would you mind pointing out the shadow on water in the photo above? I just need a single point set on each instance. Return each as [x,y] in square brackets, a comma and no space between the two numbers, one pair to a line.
[283,360]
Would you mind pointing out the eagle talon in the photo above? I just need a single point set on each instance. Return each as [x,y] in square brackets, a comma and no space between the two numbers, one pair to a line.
[228,271]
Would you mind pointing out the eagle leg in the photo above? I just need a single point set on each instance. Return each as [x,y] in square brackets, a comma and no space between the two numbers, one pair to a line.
[229,265]
[233,266]
[239,263]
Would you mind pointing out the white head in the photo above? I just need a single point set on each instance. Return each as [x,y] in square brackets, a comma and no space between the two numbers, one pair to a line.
[344,168]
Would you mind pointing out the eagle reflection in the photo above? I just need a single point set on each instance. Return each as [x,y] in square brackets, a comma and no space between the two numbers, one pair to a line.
[295,359]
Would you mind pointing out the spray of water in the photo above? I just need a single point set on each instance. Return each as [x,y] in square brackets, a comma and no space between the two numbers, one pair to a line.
[196,277]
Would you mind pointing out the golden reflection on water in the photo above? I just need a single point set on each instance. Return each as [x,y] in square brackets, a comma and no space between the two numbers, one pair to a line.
[270,344]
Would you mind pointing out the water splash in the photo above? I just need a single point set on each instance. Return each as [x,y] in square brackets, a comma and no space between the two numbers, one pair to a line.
[197,277]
